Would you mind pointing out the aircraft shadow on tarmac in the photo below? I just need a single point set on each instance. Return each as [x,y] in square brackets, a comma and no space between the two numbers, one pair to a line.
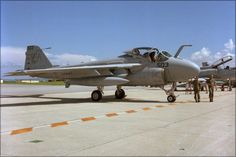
[107,99]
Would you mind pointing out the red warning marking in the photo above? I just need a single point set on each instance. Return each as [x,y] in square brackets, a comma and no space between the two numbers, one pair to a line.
[88,118]
[160,106]
[59,124]
[130,111]
[111,114]
[146,108]
[21,131]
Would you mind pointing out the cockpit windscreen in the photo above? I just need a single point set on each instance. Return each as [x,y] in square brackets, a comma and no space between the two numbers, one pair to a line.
[152,54]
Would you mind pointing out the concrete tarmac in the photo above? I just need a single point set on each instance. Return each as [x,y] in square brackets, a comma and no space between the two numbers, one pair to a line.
[53,121]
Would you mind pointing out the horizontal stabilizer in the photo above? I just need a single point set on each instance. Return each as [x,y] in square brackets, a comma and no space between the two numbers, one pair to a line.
[16,73]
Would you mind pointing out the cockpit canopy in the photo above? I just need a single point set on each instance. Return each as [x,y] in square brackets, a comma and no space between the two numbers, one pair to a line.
[221,61]
[150,53]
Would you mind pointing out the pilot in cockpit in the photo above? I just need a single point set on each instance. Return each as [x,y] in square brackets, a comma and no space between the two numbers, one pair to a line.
[152,56]
[159,57]
[146,55]
[136,52]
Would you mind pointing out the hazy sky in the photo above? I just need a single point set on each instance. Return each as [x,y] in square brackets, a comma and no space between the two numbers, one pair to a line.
[102,29]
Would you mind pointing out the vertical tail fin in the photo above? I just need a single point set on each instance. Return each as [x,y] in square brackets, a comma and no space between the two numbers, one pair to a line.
[36,59]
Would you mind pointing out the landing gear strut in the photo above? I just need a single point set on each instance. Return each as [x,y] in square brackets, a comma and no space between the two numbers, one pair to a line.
[171,97]
[97,94]
[120,93]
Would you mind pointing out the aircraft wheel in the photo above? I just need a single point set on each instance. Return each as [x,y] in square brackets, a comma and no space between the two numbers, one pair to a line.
[67,84]
[96,95]
[120,94]
[171,98]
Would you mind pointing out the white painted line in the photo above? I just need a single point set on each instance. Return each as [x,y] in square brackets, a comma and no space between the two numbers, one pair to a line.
[102,116]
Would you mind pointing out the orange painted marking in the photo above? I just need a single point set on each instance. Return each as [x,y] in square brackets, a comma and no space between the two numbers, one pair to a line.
[88,118]
[130,111]
[160,106]
[21,131]
[146,108]
[59,124]
[111,114]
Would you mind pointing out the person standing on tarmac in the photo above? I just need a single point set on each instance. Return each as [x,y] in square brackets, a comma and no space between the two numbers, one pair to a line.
[229,84]
[210,83]
[196,88]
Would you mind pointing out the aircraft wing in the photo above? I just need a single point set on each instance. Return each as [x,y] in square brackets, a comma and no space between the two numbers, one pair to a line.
[76,72]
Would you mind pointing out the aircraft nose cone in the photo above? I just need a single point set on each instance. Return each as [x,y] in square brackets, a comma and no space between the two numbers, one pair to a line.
[182,70]
[193,69]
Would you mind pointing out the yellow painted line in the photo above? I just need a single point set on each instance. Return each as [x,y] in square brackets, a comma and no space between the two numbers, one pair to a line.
[59,124]
[146,108]
[111,114]
[21,131]
[88,118]
[130,111]
[160,106]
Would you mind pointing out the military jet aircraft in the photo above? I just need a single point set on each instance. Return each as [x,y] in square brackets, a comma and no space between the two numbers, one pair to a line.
[141,66]
[219,73]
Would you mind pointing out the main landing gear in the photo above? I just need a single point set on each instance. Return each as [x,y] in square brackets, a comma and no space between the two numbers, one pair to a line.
[120,93]
[171,97]
[97,94]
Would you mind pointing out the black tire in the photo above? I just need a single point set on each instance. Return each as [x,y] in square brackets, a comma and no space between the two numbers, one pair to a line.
[67,84]
[121,94]
[171,98]
[96,95]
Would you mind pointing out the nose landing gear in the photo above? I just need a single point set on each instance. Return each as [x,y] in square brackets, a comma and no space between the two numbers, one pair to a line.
[171,97]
